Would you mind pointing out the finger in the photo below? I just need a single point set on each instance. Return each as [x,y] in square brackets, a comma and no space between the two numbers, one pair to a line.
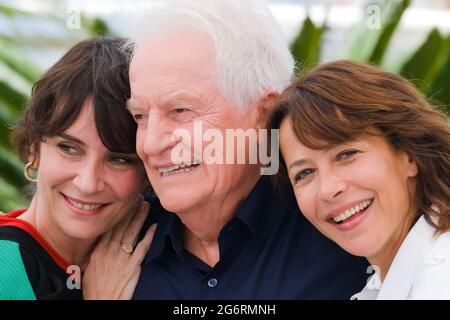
[105,238]
[120,229]
[132,233]
[144,245]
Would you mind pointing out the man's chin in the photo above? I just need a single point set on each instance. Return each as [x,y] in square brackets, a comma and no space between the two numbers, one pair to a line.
[176,203]
[176,208]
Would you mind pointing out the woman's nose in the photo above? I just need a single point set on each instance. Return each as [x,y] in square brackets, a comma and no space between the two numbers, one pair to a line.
[90,179]
[331,186]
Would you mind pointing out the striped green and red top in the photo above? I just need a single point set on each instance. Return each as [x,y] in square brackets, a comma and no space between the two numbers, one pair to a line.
[30,269]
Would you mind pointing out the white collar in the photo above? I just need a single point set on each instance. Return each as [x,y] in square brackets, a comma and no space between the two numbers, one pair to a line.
[404,268]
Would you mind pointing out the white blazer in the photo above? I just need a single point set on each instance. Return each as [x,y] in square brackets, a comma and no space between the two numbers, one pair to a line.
[420,269]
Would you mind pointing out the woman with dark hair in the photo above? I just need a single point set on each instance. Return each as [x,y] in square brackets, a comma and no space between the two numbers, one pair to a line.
[78,142]
[369,160]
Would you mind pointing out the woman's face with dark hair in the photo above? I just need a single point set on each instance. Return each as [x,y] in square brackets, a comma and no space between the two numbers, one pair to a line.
[359,194]
[84,188]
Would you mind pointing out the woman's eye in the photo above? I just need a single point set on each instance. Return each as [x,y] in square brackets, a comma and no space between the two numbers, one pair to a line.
[181,110]
[67,149]
[121,160]
[303,174]
[347,154]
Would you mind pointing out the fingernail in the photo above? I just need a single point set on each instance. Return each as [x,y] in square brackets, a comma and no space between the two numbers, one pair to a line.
[153,227]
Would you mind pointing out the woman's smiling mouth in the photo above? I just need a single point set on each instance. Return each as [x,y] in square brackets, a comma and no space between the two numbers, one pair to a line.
[347,218]
[83,207]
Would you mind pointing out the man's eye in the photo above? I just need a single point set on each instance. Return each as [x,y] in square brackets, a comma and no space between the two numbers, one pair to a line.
[140,119]
[346,154]
[303,174]
[182,114]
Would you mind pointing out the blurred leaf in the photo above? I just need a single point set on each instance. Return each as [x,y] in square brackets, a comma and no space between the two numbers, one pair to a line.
[11,198]
[97,26]
[426,62]
[440,87]
[11,98]
[12,57]
[11,169]
[307,45]
[4,135]
[369,43]
[388,30]
[11,11]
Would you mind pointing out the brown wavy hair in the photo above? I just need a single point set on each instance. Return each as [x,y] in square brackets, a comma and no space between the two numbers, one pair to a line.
[341,100]
[96,68]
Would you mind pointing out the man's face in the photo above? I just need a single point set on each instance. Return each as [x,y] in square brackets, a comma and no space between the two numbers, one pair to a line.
[173,86]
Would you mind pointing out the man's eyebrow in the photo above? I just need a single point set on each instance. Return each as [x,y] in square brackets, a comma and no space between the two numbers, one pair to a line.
[70,138]
[129,104]
[180,97]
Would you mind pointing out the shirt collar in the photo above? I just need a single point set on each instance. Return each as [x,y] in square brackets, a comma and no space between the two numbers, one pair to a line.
[407,262]
[168,228]
[253,212]
[372,288]
[404,268]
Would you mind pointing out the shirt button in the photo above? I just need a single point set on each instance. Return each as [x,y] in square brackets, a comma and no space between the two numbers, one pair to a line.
[212,283]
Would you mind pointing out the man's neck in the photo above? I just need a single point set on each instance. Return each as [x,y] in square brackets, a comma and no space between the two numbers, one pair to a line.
[202,226]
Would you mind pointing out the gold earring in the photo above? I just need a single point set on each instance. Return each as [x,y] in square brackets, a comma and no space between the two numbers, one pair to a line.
[26,173]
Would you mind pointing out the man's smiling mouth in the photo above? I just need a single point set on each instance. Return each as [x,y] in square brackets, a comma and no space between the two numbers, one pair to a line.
[182,167]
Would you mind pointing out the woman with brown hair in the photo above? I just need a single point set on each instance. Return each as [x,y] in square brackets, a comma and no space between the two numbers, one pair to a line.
[78,141]
[369,161]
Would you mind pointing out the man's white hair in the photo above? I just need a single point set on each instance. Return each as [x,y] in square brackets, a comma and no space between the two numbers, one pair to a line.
[252,54]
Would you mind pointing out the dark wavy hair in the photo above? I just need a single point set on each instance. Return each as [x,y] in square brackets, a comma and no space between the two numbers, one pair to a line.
[95,68]
[338,101]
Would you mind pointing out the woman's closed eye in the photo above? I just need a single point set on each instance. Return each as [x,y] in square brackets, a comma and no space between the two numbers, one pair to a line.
[68,149]
[346,154]
[122,160]
[303,174]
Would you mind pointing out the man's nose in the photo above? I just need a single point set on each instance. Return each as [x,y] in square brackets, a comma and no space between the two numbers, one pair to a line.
[158,137]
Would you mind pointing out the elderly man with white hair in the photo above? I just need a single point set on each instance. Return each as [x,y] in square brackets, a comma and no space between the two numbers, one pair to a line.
[223,231]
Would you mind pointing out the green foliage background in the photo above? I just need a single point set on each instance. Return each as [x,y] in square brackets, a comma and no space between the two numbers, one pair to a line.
[428,68]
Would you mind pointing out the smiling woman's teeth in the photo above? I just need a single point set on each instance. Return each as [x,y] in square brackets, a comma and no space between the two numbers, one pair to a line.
[350,212]
[183,167]
[84,207]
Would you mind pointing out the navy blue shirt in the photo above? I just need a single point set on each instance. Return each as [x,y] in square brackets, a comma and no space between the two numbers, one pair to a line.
[268,250]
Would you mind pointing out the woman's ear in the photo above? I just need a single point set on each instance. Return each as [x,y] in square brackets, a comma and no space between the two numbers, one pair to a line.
[33,157]
[412,168]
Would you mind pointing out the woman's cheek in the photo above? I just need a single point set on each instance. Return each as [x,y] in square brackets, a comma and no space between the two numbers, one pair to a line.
[306,202]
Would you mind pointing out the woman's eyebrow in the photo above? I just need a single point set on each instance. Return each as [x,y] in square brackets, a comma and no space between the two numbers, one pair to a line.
[70,138]
[298,162]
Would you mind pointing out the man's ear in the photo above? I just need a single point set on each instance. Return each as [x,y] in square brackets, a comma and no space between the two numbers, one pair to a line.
[265,105]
